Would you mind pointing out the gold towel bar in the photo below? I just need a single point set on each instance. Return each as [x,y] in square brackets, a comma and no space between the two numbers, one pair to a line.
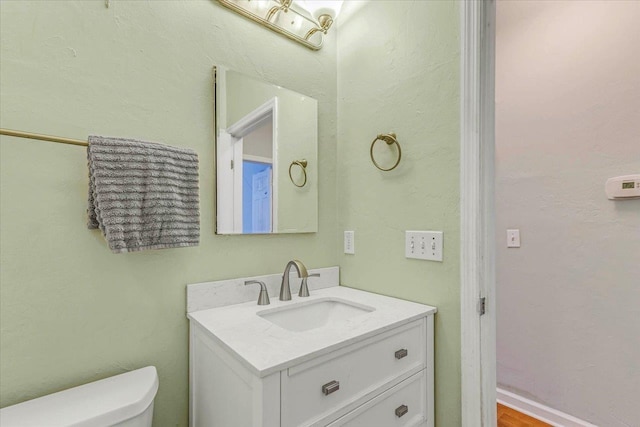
[29,135]
[390,139]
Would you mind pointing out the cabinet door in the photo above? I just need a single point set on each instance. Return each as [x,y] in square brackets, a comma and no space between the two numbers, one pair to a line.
[315,392]
[222,392]
[404,405]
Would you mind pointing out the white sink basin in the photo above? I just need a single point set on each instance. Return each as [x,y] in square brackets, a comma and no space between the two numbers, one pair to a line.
[314,314]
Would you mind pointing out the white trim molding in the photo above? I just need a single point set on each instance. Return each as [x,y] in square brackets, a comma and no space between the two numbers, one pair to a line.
[478,333]
[255,119]
[257,159]
[539,411]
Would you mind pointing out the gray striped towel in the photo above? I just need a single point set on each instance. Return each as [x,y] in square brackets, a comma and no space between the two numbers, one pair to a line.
[143,195]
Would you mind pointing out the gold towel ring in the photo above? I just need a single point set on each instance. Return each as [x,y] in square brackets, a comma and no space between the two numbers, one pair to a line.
[389,138]
[303,165]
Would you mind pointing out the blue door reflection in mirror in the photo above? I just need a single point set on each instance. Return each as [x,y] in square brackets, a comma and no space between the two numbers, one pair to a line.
[257,197]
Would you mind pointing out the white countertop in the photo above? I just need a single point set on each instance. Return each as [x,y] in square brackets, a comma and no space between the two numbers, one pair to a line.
[265,348]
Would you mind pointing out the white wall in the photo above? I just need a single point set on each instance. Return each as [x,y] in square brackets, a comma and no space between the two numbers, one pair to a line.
[568,118]
[259,142]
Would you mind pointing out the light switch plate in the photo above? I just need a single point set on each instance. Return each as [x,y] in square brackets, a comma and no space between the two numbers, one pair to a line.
[349,242]
[513,238]
[425,245]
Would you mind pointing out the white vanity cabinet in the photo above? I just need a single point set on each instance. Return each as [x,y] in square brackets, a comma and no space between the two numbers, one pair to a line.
[382,380]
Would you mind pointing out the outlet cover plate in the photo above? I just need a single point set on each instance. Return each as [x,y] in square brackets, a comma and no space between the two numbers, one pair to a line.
[426,245]
[349,242]
[513,238]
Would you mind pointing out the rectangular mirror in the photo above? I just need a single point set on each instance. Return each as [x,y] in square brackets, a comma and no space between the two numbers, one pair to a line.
[266,157]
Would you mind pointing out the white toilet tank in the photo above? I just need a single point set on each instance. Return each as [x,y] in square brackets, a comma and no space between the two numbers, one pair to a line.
[125,400]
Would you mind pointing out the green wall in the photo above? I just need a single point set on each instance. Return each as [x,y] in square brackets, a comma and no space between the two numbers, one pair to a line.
[398,72]
[70,311]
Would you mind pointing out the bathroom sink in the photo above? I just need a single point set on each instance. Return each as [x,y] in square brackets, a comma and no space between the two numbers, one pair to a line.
[314,314]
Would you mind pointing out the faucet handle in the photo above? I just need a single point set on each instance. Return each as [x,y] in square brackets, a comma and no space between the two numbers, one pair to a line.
[263,298]
[304,287]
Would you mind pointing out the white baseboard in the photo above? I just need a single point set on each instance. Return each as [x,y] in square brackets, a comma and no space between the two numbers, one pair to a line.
[541,412]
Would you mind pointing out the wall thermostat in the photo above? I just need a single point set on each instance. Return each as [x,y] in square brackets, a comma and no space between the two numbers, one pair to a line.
[623,187]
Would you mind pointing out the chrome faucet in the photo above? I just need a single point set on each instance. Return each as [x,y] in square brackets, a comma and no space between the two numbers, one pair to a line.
[263,298]
[304,288]
[285,289]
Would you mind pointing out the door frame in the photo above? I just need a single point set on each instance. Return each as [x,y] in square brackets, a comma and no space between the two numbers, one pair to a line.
[477,213]
[229,157]
[248,123]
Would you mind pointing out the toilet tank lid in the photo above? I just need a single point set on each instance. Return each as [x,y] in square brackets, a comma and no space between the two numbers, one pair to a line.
[101,403]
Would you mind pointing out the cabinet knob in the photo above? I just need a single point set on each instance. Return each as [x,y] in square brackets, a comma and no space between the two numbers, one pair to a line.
[401,410]
[330,387]
[403,352]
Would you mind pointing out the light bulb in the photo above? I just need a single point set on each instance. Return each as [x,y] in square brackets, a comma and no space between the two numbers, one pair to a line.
[297,22]
[262,4]
[322,7]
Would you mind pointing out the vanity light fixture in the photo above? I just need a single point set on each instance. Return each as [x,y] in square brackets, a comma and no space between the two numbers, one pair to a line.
[304,21]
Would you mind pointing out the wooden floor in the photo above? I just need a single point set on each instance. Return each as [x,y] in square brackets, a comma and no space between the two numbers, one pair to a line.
[508,417]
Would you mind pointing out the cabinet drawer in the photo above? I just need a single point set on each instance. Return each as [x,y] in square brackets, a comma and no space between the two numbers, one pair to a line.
[402,406]
[313,391]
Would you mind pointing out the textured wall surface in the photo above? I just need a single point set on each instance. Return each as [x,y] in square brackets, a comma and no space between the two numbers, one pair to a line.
[398,71]
[71,311]
[568,118]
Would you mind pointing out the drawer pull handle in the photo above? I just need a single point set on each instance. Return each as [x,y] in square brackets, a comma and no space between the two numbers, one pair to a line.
[401,353]
[330,387]
[401,410]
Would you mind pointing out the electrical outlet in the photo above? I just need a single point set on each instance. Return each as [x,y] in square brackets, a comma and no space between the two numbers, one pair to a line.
[349,242]
[425,245]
